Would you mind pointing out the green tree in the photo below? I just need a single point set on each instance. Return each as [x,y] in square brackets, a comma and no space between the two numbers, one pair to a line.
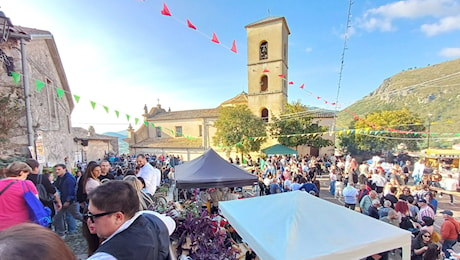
[383,130]
[294,127]
[237,127]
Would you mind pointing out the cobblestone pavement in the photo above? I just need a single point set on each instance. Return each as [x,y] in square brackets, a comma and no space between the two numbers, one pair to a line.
[77,243]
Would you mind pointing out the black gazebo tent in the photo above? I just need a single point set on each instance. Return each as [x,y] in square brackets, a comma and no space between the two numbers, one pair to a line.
[210,170]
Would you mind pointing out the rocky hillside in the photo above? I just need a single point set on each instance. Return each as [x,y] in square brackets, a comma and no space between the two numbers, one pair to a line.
[432,92]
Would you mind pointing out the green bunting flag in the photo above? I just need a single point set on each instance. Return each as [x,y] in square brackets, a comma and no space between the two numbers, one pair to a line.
[39,84]
[117,113]
[127,117]
[77,98]
[136,120]
[60,92]
[16,77]
[146,123]
[93,104]
[106,108]
[153,125]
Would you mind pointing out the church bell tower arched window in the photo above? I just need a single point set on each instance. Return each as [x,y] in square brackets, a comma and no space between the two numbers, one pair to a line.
[264,114]
[263,51]
[263,83]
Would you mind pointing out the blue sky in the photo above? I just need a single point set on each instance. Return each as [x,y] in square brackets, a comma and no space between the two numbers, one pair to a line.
[124,54]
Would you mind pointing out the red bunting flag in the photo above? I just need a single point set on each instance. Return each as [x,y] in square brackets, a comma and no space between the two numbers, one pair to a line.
[302,86]
[318,97]
[165,10]
[234,47]
[266,71]
[281,75]
[291,83]
[214,38]
[333,104]
[190,25]
[325,102]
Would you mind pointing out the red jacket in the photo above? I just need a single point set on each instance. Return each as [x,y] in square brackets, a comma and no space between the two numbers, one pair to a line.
[450,229]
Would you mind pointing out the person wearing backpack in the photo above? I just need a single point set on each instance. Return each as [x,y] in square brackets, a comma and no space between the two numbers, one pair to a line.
[47,193]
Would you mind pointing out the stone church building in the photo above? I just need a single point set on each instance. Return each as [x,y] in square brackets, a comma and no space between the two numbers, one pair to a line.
[189,133]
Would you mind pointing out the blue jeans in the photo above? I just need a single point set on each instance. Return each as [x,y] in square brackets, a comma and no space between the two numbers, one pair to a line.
[332,188]
[448,244]
[71,225]
[60,217]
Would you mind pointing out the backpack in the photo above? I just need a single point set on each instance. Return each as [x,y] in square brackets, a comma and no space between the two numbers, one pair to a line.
[42,192]
[38,213]
[81,195]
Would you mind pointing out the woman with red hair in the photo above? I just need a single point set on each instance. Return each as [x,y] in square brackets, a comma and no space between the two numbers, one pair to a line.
[404,216]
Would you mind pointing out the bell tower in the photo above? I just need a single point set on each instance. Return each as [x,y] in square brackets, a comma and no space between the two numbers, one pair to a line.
[267,66]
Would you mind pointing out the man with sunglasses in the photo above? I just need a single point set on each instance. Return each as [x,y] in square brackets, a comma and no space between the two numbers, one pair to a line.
[126,232]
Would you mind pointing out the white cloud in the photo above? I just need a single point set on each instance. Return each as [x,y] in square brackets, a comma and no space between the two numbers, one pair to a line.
[444,25]
[383,17]
[308,49]
[450,52]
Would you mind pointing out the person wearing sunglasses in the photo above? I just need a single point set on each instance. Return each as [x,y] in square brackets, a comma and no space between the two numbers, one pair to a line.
[126,232]
[420,245]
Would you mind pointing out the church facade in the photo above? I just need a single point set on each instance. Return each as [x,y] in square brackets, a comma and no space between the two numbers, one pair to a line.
[189,133]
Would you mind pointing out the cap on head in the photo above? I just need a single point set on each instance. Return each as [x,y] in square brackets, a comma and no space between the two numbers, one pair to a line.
[447,212]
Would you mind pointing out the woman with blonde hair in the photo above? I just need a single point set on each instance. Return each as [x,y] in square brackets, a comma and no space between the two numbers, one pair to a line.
[145,201]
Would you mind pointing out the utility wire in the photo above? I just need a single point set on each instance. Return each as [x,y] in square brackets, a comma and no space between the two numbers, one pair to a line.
[342,63]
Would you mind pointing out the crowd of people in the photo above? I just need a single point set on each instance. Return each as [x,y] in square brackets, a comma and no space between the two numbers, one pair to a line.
[398,192]
[115,227]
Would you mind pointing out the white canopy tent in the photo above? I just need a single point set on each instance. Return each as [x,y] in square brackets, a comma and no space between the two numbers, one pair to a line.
[297,225]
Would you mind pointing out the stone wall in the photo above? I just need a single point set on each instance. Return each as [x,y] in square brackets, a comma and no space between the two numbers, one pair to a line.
[50,114]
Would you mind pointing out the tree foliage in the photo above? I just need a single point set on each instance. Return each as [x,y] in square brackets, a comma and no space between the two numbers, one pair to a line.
[294,127]
[236,127]
[383,131]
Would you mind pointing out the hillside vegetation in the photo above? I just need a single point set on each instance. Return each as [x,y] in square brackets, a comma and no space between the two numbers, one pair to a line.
[433,93]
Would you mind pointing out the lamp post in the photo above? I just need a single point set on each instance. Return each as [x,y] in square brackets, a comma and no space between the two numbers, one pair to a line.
[429,130]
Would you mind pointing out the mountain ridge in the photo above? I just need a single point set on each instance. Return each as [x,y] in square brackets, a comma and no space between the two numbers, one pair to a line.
[432,93]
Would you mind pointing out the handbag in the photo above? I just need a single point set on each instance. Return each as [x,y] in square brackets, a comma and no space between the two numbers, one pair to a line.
[38,213]
[43,194]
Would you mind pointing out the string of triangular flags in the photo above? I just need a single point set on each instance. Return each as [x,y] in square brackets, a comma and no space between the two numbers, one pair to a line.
[39,85]
[166,12]
[336,105]
[366,131]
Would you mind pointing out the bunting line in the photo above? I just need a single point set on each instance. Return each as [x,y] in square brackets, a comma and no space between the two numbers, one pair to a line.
[166,12]
[363,131]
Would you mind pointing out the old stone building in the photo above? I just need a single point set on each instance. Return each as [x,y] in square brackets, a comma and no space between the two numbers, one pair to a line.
[46,133]
[90,146]
[189,133]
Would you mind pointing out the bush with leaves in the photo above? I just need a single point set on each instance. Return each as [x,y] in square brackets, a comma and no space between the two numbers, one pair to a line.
[197,232]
